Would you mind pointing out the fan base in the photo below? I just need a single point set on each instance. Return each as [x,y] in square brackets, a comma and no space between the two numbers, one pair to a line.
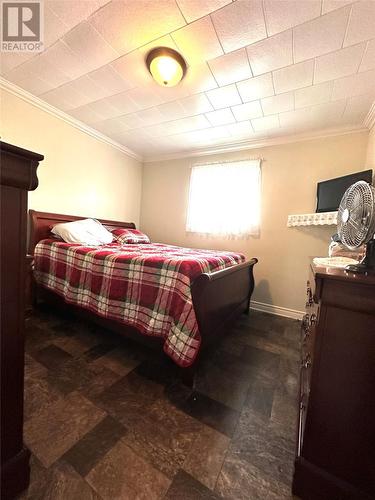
[367,266]
[360,269]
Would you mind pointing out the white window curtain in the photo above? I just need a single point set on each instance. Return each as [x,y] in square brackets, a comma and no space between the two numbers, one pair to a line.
[224,199]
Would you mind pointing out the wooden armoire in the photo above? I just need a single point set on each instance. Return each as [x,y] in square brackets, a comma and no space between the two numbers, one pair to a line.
[18,176]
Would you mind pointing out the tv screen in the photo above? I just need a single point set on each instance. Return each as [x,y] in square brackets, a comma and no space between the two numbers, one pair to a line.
[329,193]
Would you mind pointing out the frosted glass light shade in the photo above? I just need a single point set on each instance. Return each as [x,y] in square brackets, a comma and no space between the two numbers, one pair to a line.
[166,66]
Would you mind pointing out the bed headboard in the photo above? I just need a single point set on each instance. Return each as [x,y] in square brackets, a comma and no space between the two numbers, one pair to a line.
[42,222]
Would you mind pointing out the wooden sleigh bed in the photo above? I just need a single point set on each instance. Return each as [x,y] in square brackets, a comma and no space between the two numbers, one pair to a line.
[218,298]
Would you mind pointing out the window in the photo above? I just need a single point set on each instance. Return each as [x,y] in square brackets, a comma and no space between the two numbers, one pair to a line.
[224,198]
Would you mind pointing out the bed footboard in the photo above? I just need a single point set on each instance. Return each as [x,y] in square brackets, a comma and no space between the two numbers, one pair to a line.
[220,297]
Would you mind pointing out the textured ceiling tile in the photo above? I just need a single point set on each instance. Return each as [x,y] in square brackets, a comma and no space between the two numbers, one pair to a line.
[256,88]
[110,80]
[104,109]
[197,79]
[329,5]
[293,77]
[129,25]
[247,111]
[11,60]
[357,108]
[320,36]
[63,98]
[150,116]
[224,97]
[231,68]
[187,124]
[132,68]
[72,12]
[296,118]
[131,121]
[54,28]
[198,41]
[338,64]
[284,14]
[85,114]
[173,110]
[124,103]
[361,23]
[143,97]
[196,104]
[368,61]
[315,94]
[44,69]
[220,117]
[265,123]
[362,83]
[68,62]
[90,46]
[278,103]
[194,9]
[239,24]
[35,85]
[328,114]
[241,130]
[272,53]
[89,88]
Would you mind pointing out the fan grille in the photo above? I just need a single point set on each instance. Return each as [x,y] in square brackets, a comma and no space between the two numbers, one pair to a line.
[356,217]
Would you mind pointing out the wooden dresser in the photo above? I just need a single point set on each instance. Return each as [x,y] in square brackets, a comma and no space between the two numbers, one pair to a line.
[336,431]
[18,176]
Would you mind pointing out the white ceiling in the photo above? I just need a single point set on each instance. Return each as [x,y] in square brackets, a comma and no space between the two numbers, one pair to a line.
[257,69]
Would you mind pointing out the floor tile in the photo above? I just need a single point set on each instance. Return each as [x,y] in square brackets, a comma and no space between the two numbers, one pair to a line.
[87,452]
[122,474]
[264,446]
[163,435]
[206,456]
[108,418]
[211,412]
[38,392]
[240,480]
[52,357]
[56,428]
[59,482]
[128,398]
[185,487]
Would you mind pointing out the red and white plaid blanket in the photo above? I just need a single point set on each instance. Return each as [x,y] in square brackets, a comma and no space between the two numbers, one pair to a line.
[145,286]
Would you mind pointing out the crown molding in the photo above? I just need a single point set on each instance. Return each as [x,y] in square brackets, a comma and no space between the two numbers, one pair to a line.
[44,106]
[369,121]
[243,145]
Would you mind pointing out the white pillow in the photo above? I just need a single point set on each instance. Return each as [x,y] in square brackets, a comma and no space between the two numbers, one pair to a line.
[86,232]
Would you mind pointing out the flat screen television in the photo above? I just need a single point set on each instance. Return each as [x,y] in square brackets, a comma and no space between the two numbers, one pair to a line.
[329,193]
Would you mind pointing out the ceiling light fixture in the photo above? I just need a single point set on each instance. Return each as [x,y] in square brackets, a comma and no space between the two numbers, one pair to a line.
[166,66]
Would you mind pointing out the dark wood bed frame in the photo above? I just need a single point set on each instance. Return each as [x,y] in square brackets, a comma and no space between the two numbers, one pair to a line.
[218,298]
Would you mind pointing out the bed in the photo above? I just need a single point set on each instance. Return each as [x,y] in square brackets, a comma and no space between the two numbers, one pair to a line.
[180,299]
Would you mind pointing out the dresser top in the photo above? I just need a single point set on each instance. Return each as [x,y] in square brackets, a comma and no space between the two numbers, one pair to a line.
[342,275]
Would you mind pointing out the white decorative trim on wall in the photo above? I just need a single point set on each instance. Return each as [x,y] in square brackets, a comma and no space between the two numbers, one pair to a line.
[317,219]
[44,106]
[369,121]
[276,310]
[248,144]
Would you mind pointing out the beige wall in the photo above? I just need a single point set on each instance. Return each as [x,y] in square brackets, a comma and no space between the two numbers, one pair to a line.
[80,174]
[289,176]
[370,159]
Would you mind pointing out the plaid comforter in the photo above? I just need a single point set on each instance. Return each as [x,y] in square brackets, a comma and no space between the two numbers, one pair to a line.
[145,286]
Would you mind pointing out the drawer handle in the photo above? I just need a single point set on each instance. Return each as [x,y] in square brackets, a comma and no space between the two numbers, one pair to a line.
[313,319]
[306,363]
[305,322]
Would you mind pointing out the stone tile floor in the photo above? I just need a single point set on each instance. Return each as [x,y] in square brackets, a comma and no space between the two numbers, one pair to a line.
[106,418]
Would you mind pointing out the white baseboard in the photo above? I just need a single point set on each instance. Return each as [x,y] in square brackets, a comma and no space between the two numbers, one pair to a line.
[277,310]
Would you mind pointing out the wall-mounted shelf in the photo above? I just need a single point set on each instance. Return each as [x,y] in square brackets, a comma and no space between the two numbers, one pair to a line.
[320,219]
